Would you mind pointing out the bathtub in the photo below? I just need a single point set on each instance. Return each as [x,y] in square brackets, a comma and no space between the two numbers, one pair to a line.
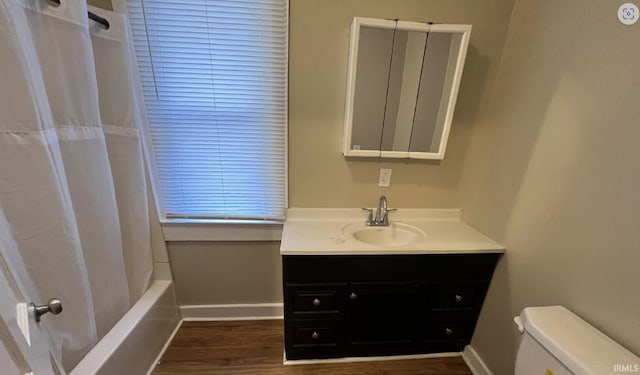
[134,345]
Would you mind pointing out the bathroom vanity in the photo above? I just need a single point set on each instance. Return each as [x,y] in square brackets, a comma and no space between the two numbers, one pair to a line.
[415,286]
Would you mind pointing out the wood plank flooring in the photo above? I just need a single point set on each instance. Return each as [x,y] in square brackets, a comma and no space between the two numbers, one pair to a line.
[256,347]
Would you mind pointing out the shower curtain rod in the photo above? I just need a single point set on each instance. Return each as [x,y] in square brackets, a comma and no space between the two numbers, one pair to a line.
[92,16]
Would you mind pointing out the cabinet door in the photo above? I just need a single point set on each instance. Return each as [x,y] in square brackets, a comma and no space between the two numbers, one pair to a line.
[382,317]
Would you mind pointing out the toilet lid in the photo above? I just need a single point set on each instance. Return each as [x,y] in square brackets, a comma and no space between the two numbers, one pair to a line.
[578,345]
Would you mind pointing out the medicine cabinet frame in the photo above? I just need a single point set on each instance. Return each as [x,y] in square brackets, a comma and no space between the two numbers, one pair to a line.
[447,97]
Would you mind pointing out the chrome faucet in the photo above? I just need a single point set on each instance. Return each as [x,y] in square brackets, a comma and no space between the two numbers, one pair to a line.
[382,214]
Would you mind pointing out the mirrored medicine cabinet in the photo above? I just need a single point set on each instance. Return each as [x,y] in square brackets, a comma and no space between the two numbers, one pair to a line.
[402,86]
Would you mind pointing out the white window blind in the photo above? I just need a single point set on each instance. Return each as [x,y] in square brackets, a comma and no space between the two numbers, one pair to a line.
[214,76]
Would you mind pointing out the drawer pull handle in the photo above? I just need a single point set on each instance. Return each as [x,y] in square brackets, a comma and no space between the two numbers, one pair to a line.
[448,331]
[353,296]
[316,302]
[458,298]
[315,335]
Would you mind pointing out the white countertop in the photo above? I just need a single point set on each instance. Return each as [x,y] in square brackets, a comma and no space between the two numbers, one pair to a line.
[319,231]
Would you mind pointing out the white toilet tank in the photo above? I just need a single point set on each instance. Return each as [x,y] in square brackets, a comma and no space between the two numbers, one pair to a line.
[555,341]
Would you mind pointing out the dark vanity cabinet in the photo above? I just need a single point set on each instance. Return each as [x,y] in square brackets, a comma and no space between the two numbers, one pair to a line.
[365,305]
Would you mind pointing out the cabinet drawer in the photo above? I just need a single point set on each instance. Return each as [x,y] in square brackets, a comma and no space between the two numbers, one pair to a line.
[455,295]
[462,267]
[320,299]
[447,331]
[316,333]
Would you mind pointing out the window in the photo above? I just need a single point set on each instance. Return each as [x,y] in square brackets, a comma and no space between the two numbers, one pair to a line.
[214,77]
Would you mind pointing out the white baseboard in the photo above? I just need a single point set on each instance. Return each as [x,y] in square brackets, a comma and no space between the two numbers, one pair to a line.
[289,362]
[474,362]
[257,311]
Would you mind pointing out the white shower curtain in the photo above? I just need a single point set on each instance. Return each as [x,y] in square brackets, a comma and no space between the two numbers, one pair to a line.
[72,181]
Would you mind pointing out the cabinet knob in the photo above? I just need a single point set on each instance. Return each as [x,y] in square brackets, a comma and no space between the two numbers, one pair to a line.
[353,296]
[315,335]
[316,302]
[448,331]
[458,298]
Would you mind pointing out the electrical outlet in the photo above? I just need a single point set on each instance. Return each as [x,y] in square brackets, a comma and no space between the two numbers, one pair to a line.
[385,178]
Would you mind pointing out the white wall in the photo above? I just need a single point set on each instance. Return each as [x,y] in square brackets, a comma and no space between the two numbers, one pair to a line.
[554,173]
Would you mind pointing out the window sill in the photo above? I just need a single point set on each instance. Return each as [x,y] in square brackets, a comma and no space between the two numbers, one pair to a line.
[221,230]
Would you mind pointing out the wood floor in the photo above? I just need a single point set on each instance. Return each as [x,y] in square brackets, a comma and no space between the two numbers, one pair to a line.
[255,347]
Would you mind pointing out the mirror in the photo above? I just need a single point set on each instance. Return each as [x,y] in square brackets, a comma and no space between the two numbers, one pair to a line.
[402,87]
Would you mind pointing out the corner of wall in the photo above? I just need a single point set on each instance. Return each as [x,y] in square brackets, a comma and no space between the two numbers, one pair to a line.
[474,362]
[159,252]
[479,141]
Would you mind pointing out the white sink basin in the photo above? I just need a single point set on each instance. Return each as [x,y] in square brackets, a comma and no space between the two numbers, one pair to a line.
[396,234]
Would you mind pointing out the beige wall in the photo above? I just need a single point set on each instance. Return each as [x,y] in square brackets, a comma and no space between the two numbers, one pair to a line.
[226,272]
[104,4]
[555,176]
[319,176]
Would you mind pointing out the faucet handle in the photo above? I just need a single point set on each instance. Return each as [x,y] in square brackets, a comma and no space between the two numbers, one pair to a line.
[370,216]
[385,216]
